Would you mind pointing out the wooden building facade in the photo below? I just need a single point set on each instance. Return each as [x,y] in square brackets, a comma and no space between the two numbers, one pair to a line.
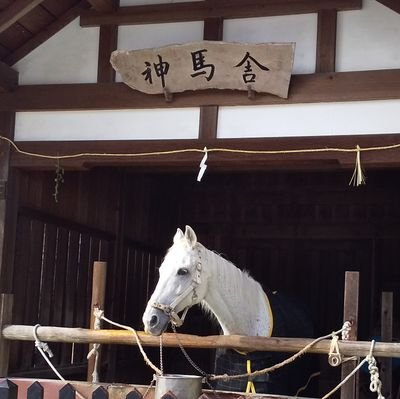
[290,217]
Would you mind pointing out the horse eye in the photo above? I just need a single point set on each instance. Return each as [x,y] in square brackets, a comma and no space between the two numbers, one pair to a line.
[182,271]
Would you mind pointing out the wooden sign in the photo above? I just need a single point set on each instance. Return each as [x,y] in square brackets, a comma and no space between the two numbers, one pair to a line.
[264,67]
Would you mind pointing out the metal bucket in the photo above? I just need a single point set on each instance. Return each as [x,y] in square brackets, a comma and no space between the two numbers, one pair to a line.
[182,386]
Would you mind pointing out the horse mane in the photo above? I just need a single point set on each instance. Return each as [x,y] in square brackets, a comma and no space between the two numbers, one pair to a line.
[228,271]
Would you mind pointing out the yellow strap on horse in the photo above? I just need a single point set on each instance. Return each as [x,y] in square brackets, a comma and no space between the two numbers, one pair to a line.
[250,384]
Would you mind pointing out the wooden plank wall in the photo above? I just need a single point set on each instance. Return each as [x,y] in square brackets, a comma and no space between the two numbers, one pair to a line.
[57,243]
[297,232]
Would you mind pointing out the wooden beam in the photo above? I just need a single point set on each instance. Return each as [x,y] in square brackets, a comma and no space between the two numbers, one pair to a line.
[213,30]
[275,344]
[16,10]
[313,88]
[392,4]
[8,78]
[326,41]
[46,33]
[200,10]
[102,5]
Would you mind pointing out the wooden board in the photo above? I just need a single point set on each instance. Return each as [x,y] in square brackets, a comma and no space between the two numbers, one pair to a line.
[263,67]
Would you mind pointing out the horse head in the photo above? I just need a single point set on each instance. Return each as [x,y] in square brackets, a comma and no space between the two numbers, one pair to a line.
[182,283]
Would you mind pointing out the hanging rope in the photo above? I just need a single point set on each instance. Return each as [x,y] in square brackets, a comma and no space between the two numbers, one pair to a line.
[358,177]
[357,150]
[43,348]
[145,357]
[277,366]
[98,314]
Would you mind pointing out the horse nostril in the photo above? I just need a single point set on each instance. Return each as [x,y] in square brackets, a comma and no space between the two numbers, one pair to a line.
[153,321]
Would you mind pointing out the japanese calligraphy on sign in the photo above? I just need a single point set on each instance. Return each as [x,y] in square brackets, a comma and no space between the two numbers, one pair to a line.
[264,68]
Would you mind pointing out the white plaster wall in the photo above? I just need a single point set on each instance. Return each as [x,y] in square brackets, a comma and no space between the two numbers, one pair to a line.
[108,125]
[368,38]
[361,117]
[70,56]
[301,29]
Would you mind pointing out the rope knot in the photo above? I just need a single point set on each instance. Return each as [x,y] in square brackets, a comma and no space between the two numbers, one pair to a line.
[346,330]
[334,356]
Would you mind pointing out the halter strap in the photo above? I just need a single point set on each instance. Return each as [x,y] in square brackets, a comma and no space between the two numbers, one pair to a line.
[169,310]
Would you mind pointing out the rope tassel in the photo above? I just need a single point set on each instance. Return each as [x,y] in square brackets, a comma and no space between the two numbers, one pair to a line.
[358,177]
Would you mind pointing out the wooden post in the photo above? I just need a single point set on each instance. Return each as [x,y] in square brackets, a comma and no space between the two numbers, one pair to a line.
[350,313]
[387,336]
[98,296]
[6,304]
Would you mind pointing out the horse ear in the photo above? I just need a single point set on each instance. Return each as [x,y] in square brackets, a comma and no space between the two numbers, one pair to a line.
[178,235]
[190,236]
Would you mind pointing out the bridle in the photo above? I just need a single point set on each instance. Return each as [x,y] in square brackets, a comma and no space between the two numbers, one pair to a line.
[169,310]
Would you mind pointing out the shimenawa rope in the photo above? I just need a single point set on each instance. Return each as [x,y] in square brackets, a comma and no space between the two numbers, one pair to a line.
[357,179]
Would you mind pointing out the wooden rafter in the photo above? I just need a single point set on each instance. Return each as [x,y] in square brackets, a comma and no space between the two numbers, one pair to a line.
[102,5]
[46,33]
[8,78]
[200,10]
[313,88]
[16,10]
[392,4]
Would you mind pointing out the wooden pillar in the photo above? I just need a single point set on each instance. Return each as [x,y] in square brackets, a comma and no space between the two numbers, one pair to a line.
[8,205]
[6,304]
[107,44]
[387,336]
[213,28]
[326,41]
[98,298]
[350,313]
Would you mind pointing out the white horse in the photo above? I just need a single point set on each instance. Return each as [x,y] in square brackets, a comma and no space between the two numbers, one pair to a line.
[192,274]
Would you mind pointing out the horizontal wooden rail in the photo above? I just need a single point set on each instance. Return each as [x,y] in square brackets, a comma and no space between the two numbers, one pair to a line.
[121,337]
[200,10]
[307,88]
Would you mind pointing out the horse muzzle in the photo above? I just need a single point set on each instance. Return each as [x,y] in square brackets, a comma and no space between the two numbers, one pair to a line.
[156,322]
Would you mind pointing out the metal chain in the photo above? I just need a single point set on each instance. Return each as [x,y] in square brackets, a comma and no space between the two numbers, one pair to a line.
[161,356]
[188,358]
[195,366]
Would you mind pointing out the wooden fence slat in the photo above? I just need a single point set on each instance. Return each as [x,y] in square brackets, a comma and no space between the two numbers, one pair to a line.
[35,391]
[100,393]
[168,395]
[135,394]
[8,390]
[67,392]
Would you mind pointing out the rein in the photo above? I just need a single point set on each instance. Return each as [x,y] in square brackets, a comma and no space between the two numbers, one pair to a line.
[169,310]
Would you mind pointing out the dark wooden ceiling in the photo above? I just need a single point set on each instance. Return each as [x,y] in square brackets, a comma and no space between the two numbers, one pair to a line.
[25,24]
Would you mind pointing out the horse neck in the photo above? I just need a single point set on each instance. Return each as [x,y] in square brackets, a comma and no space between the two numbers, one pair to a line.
[237,301]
